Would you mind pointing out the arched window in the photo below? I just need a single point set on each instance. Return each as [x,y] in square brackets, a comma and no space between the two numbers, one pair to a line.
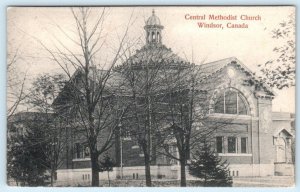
[153,36]
[230,102]
[148,37]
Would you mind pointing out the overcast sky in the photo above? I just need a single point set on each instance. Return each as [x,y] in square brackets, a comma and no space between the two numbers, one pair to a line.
[252,46]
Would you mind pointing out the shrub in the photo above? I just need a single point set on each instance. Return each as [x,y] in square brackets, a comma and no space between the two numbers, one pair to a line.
[206,165]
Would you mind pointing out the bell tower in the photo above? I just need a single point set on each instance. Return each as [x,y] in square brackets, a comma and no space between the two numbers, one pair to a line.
[153,30]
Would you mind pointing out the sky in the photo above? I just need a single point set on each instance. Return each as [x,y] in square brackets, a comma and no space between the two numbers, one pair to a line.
[28,27]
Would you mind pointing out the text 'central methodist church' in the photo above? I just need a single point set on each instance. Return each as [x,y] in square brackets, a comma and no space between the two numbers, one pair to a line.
[254,140]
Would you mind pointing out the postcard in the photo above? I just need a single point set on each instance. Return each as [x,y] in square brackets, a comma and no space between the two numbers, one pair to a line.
[141,96]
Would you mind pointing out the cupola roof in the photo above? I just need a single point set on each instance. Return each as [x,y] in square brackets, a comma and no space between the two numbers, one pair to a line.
[153,20]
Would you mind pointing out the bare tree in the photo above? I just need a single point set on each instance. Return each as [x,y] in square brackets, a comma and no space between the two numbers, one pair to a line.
[15,95]
[187,122]
[143,74]
[15,82]
[89,95]
[141,83]
[181,99]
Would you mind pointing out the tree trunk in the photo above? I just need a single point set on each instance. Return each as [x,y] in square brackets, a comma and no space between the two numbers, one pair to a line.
[95,168]
[147,148]
[92,141]
[51,179]
[147,170]
[182,174]
[108,178]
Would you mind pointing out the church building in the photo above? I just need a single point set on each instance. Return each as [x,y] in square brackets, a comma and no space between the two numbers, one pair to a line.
[254,140]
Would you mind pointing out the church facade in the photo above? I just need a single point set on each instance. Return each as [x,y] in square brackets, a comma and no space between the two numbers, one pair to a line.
[254,140]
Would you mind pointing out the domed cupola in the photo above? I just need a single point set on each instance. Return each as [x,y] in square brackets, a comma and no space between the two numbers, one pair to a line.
[153,30]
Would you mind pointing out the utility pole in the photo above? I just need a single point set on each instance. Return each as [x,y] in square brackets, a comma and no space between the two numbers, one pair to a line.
[121,150]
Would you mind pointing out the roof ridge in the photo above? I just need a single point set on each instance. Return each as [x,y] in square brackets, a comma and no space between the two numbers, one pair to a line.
[228,58]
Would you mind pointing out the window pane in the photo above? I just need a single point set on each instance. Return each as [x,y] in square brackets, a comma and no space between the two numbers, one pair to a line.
[86,151]
[231,145]
[219,105]
[242,106]
[231,102]
[219,144]
[244,145]
[78,150]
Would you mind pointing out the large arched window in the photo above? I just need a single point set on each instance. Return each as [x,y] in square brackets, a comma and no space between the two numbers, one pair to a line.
[230,102]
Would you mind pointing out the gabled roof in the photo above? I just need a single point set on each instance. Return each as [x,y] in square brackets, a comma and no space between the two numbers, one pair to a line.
[28,116]
[65,92]
[286,132]
[210,69]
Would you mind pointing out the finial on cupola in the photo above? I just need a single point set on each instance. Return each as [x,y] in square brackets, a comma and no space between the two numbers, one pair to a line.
[153,29]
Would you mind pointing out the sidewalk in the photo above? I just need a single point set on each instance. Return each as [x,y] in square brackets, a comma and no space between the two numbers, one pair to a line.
[272,181]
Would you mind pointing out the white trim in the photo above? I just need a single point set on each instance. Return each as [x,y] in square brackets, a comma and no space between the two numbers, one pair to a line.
[126,138]
[282,119]
[82,159]
[74,170]
[235,154]
[230,116]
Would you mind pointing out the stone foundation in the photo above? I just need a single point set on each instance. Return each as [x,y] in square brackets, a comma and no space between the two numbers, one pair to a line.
[253,170]
[283,169]
[138,172]
[76,177]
